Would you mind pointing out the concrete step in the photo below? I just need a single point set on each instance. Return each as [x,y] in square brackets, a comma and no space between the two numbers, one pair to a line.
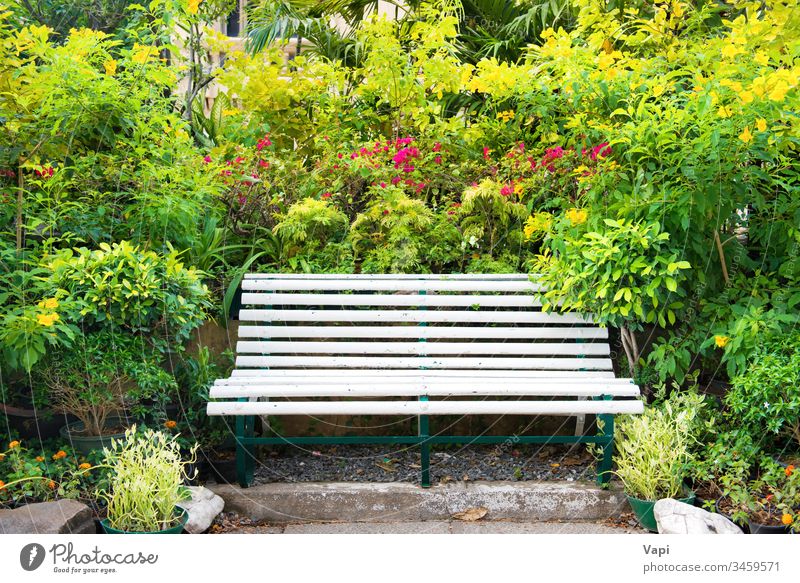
[403,502]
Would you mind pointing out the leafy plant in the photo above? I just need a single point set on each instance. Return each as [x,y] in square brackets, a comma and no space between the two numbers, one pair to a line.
[653,449]
[766,398]
[145,481]
[105,374]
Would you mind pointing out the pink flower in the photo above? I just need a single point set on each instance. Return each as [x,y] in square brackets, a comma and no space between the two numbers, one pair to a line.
[508,189]
[386,212]
[383,185]
[238,160]
[437,146]
[326,195]
[396,180]
[207,159]
[339,155]
[45,172]
[600,151]
[438,159]
[486,151]
[242,200]
[263,163]
[521,146]
[263,143]
[408,168]
[354,155]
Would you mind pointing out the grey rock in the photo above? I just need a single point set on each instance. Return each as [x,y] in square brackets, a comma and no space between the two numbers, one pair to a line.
[59,517]
[203,508]
[673,517]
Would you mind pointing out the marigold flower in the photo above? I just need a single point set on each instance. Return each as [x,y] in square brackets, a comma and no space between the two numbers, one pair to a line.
[721,341]
[84,466]
[59,455]
[2,484]
[51,484]
[13,444]
[2,456]
[789,470]
[39,458]
[170,424]
[787,519]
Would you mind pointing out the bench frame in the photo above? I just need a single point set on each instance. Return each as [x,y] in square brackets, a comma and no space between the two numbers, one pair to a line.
[246,441]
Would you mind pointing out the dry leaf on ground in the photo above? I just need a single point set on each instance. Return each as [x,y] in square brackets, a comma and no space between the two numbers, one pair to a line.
[471,514]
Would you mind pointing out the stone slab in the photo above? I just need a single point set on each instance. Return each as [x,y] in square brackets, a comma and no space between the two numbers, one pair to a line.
[59,517]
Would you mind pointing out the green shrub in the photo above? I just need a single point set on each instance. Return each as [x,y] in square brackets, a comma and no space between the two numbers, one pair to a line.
[123,287]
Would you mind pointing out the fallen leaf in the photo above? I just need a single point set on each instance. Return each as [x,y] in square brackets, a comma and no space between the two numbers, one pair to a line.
[471,514]
[415,466]
[554,465]
[446,479]
[465,478]
[386,467]
[571,461]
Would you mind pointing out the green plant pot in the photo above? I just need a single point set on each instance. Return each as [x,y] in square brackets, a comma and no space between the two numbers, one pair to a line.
[85,444]
[180,515]
[643,510]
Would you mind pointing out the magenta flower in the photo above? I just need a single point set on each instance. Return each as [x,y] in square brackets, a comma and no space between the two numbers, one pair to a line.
[486,151]
[437,146]
[207,159]
[438,159]
[600,151]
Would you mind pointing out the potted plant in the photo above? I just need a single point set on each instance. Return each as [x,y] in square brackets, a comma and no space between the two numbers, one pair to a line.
[653,453]
[99,381]
[146,482]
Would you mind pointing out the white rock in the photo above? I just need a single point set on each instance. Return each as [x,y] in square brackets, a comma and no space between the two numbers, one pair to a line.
[203,508]
[673,517]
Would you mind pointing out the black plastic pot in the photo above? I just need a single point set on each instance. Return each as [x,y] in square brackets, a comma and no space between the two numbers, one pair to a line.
[756,528]
[221,469]
[34,424]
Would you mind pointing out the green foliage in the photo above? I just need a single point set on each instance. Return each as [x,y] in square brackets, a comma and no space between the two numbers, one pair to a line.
[145,482]
[104,374]
[490,219]
[653,449]
[121,286]
[389,235]
[765,398]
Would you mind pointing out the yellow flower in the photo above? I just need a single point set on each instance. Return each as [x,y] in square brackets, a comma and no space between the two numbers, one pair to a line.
[787,519]
[721,341]
[729,51]
[48,304]
[746,97]
[193,5]
[111,67]
[13,444]
[506,115]
[518,188]
[761,58]
[746,136]
[46,319]
[141,53]
[536,223]
[724,111]
[84,466]
[577,216]
[761,124]
[780,90]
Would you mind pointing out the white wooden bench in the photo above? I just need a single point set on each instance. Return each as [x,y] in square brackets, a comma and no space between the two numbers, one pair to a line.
[415,345]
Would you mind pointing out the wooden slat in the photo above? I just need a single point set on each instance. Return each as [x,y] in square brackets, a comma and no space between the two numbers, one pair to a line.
[449,407]
[397,276]
[379,362]
[375,378]
[462,301]
[485,317]
[425,348]
[460,285]
[433,389]
[428,332]
[350,374]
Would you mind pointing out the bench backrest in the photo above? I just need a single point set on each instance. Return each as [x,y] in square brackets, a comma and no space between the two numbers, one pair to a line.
[411,322]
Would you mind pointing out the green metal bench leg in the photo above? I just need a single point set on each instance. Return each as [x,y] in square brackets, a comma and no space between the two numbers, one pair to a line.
[425,448]
[604,467]
[245,454]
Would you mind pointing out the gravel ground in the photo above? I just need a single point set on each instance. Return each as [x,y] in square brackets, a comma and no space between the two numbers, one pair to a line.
[382,464]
